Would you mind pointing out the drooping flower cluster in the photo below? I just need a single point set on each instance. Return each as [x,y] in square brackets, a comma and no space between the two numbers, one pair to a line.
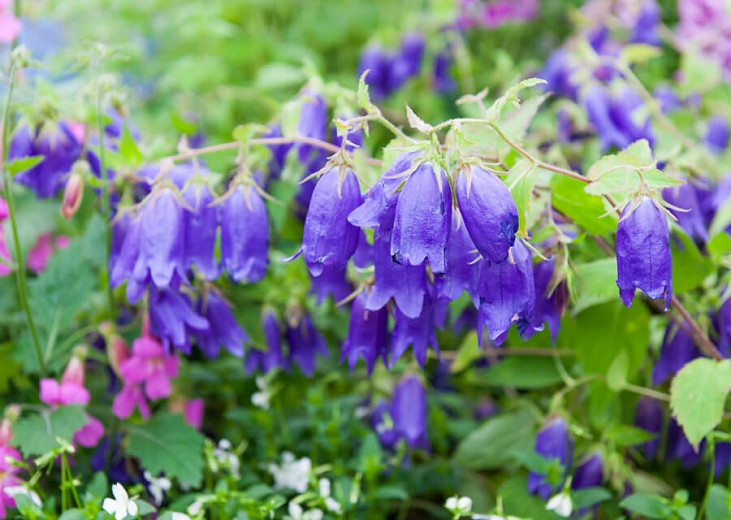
[389,71]
[405,418]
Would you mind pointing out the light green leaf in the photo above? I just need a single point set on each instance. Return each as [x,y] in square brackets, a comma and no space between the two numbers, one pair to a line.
[595,282]
[636,53]
[22,164]
[698,394]
[590,496]
[167,444]
[518,502]
[719,503]
[624,435]
[690,267]
[520,181]
[523,372]
[587,211]
[467,353]
[722,219]
[511,96]
[275,76]
[617,372]
[701,74]
[36,435]
[497,441]
[651,506]
[363,97]
[128,148]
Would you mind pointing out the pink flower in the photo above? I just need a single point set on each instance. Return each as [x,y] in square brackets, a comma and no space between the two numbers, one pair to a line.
[90,434]
[8,477]
[5,259]
[127,399]
[194,413]
[9,25]
[43,249]
[150,366]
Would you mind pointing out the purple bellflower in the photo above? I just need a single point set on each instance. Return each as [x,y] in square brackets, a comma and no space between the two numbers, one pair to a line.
[613,117]
[643,252]
[557,71]
[59,148]
[552,443]
[463,266]
[328,238]
[173,319]
[724,328]
[244,234]
[201,226]
[685,197]
[489,213]
[272,358]
[409,412]
[646,27]
[332,281]
[442,80]
[423,219]
[305,342]
[367,334]
[678,447]
[677,350]
[549,306]
[223,328]
[589,474]
[668,99]
[649,416]
[717,135]
[378,62]
[407,62]
[417,332]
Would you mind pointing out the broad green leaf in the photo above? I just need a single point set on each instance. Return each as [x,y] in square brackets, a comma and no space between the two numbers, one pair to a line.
[363,97]
[651,506]
[690,267]
[497,441]
[590,496]
[617,372]
[128,148]
[587,211]
[719,246]
[36,435]
[518,502]
[698,394]
[167,444]
[624,435]
[523,372]
[595,282]
[520,181]
[22,164]
[719,503]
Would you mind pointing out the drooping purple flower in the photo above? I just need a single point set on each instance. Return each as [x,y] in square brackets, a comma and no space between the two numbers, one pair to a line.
[387,435]
[416,332]
[613,117]
[328,238]
[367,334]
[557,71]
[201,228]
[378,62]
[507,294]
[407,62]
[305,342]
[223,328]
[272,358]
[549,306]
[667,98]
[589,474]
[409,412]
[723,458]
[423,219]
[59,148]
[279,152]
[442,80]
[677,350]
[724,328]
[643,253]
[646,27]
[488,211]
[649,416]
[552,443]
[686,197]
[680,448]
[244,234]
[462,270]
[173,319]
[406,284]
[312,122]
[717,135]
[331,282]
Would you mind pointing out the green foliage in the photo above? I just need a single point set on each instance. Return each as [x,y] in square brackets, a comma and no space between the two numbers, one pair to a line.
[38,434]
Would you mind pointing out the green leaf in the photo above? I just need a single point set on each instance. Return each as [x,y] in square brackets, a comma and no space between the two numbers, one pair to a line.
[497,441]
[276,76]
[700,74]
[523,372]
[22,164]
[617,372]
[467,353]
[73,514]
[596,282]
[390,492]
[722,219]
[619,174]
[510,96]
[587,211]
[719,503]
[167,444]
[363,97]
[36,435]
[719,246]
[624,435]
[128,148]
[590,496]
[690,267]
[651,506]
[518,502]
[636,53]
[520,181]
[145,508]
[697,396]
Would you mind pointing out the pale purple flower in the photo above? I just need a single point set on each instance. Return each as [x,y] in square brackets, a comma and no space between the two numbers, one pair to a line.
[244,234]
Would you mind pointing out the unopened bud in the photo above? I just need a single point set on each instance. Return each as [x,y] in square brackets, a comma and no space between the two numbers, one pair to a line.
[117,352]
[74,372]
[6,431]
[20,57]
[72,196]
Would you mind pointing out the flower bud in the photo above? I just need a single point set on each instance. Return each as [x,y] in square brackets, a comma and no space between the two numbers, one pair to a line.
[72,196]
[20,57]
[6,431]
[74,372]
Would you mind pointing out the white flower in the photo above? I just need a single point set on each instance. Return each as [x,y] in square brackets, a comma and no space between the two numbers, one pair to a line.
[459,505]
[121,505]
[174,515]
[226,457]
[261,398]
[297,513]
[332,505]
[464,504]
[560,504]
[14,491]
[292,474]
[195,508]
[157,487]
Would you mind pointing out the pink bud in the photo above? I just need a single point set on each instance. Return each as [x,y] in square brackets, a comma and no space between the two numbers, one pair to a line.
[117,352]
[74,372]
[6,431]
[72,196]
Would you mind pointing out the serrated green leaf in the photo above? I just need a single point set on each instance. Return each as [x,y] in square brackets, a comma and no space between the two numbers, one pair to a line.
[363,97]
[497,441]
[167,444]
[523,372]
[37,434]
[595,282]
[698,394]
[587,211]
[22,164]
[510,96]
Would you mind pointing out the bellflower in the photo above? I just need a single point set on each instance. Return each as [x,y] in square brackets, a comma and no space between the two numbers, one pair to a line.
[272,358]
[367,334]
[200,229]
[507,294]
[331,282]
[407,62]
[552,443]
[328,238]
[462,271]
[724,328]
[643,253]
[678,447]
[223,328]
[442,80]
[557,72]
[244,234]
[645,29]
[417,332]
[589,473]
[172,318]
[378,62]
[685,197]
[717,135]
[59,148]
[489,212]
[305,342]
[409,412]
[613,117]
[550,306]
[423,218]
[649,416]
[677,350]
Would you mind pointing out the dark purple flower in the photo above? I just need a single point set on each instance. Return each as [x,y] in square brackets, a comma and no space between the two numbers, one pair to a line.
[462,264]
[244,234]
[717,135]
[118,469]
[378,62]
[387,435]
[549,306]
[678,447]
[557,72]
[724,328]
[223,328]
[685,197]
[409,412]
[59,148]
[677,349]
[201,228]
[723,458]
[613,118]
[554,444]
[331,282]
[488,211]
[272,358]
[172,319]
[643,253]
[589,473]
[367,334]
[649,416]
[442,80]
[304,344]
[423,219]
[416,332]
[328,238]
[507,294]
[646,27]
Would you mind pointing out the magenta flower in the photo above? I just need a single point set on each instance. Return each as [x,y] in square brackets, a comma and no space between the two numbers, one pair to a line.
[8,477]
[127,399]
[43,249]
[149,366]
[9,30]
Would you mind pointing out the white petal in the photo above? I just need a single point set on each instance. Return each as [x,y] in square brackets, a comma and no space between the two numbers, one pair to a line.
[464,504]
[179,516]
[109,505]
[451,503]
[132,508]
[120,493]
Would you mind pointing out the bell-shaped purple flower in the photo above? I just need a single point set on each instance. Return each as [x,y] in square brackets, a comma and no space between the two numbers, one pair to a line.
[643,253]
[378,62]
[724,328]
[244,234]
[613,118]
[649,416]
[387,435]
[406,284]
[416,332]
[304,344]
[717,135]
[201,228]
[646,27]
[59,148]
[173,319]
[589,473]
[507,294]
[678,447]
[407,62]
[423,219]
[442,80]
[331,282]
[462,264]
[677,350]
[328,238]
[668,99]
[367,334]
[686,197]
[557,71]
[272,358]
[312,122]
[223,328]
[550,306]
[489,213]
[552,443]
[409,412]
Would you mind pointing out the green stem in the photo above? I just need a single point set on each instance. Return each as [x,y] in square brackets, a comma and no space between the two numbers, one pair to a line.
[106,200]
[711,471]
[20,264]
